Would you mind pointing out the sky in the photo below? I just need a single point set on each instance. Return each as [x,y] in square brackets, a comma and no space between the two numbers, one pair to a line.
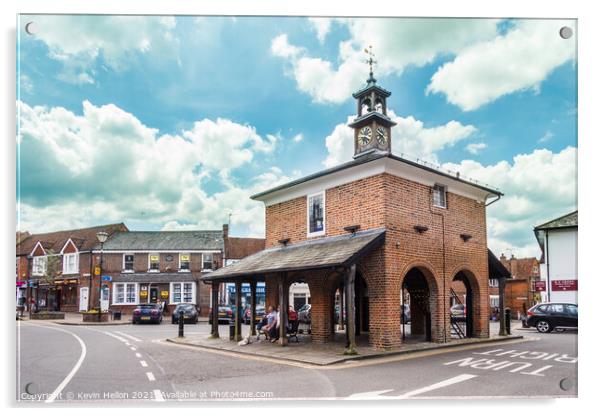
[170,123]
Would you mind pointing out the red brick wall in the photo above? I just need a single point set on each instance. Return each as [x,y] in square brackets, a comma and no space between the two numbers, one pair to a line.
[399,204]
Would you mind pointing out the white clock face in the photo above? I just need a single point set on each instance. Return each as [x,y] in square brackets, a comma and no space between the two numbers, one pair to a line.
[365,136]
[381,135]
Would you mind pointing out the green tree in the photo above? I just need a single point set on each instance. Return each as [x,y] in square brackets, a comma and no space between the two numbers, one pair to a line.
[54,268]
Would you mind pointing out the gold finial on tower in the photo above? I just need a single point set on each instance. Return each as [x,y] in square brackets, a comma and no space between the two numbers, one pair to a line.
[370,61]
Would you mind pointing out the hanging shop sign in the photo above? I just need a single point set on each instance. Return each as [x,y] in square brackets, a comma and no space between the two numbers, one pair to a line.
[540,286]
[96,270]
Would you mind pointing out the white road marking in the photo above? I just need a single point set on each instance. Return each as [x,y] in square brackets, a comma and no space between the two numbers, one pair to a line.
[377,394]
[75,368]
[138,355]
[116,337]
[143,363]
[158,395]
[444,383]
[150,376]
[128,336]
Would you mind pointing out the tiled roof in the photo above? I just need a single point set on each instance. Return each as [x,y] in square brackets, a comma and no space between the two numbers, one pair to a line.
[568,220]
[306,255]
[84,238]
[166,240]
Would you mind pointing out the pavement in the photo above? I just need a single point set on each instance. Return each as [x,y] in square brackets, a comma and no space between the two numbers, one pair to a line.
[133,363]
[74,318]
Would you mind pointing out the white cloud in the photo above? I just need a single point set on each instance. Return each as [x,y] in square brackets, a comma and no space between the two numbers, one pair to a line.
[322,26]
[410,137]
[475,148]
[547,136]
[537,187]
[298,138]
[105,165]
[397,43]
[517,61]
[79,41]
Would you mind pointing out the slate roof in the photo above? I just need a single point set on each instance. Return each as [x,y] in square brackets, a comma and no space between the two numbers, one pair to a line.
[368,158]
[312,254]
[84,238]
[165,240]
[566,221]
[153,278]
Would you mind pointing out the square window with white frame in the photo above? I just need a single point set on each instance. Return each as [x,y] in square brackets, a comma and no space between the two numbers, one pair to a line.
[182,292]
[70,263]
[39,265]
[153,262]
[315,214]
[125,293]
[439,196]
[184,262]
[207,261]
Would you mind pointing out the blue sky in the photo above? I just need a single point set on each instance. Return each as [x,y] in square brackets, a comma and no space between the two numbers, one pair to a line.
[169,123]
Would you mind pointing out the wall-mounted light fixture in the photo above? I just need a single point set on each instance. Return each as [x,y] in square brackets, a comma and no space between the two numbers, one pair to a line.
[465,237]
[284,241]
[351,228]
[420,228]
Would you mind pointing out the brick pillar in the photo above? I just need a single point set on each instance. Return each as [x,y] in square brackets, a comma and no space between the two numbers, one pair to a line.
[271,291]
[321,303]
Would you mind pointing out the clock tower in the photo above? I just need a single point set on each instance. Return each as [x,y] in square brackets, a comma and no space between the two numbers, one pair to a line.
[372,126]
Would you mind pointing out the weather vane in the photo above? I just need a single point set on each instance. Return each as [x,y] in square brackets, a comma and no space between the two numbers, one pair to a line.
[370,61]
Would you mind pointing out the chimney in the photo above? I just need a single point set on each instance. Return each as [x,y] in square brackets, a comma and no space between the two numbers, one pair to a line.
[225,231]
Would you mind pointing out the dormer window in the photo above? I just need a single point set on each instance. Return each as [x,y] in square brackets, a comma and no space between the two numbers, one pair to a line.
[315,214]
[70,263]
[439,197]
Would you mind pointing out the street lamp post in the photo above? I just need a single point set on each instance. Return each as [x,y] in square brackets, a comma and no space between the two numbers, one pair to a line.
[102,237]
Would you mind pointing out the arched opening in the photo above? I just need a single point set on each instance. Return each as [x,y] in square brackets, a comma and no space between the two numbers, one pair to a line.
[299,300]
[361,303]
[463,297]
[366,106]
[378,106]
[416,306]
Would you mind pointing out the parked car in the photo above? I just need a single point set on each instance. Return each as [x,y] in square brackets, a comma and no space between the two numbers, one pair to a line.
[304,313]
[191,314]
[404,317]
[147,312]
[224,314]
[458,311]
[259,314]
[546,317]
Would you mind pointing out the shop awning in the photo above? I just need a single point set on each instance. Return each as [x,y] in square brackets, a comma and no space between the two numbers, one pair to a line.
[328,252]
[153,278]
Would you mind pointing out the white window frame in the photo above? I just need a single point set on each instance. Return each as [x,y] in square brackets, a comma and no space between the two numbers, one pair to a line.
[444,189]
[125,285]
[308,199]
[203,261]
[66,258]
[180,263]
[123,269]
[492,297]
[172,285]
[494,283]
[149,263]
[35,268]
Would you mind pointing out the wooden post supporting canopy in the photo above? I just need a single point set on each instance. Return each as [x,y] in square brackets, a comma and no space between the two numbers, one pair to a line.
[214,310]
[238,306]
[253,306]
[283,311]
[341,308]
[350,303]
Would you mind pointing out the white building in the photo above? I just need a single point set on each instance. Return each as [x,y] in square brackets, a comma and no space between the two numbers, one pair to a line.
[558,242]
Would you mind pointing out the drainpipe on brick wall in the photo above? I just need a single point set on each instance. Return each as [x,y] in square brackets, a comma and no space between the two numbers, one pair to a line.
[90,280]
[549,289]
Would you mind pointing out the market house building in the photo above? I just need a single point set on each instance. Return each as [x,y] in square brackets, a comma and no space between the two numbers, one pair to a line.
[558,242]
[368,228]
[158,266]
[69,253]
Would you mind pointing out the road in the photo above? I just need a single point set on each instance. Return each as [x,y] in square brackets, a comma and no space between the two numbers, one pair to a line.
[76,364]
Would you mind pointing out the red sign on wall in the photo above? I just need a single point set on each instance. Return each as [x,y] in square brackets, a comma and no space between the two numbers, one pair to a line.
[564,285]
[540,286]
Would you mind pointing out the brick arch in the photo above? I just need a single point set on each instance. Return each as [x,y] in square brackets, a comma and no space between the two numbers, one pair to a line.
[426,269]
[465,274]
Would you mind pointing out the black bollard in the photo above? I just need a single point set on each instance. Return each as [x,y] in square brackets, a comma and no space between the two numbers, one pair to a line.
[181,325]
[507,315]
